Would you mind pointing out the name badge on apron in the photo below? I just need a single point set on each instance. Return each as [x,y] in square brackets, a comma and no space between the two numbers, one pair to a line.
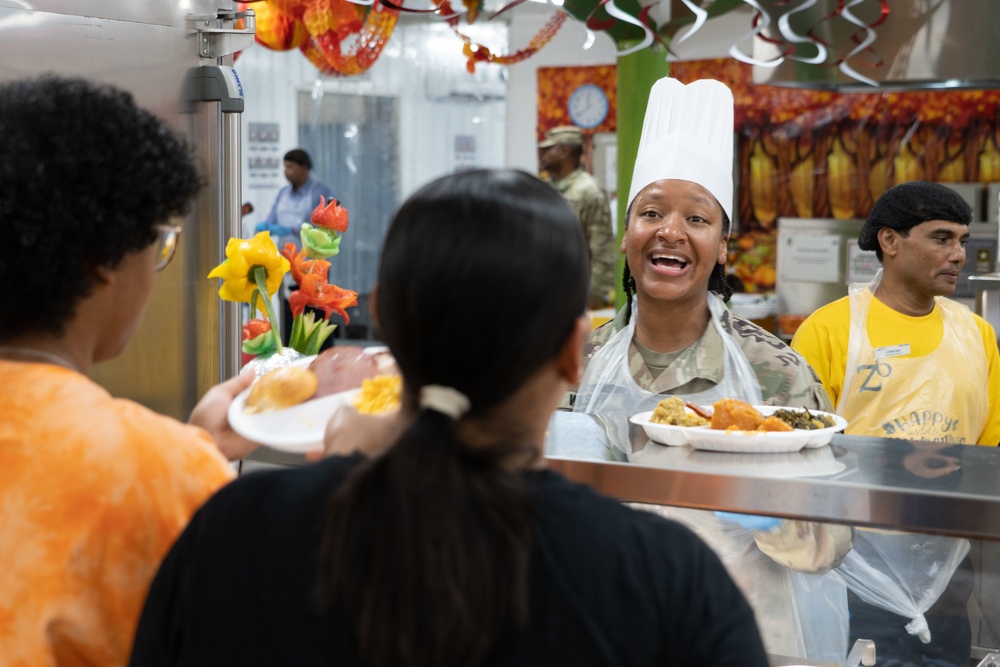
[892,351]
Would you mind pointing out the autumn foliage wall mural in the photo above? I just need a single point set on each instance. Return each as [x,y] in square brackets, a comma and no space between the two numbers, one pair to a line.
[820,154]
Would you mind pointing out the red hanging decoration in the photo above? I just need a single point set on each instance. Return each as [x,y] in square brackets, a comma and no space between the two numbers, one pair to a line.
[347,38]
[276,30]
[477,53]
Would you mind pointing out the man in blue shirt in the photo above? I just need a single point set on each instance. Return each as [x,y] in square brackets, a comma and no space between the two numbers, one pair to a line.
[295,202]
[293,206]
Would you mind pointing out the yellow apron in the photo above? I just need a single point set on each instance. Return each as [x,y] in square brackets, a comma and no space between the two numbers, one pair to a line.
[939,397]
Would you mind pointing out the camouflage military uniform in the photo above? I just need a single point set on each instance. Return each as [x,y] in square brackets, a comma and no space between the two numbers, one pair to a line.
[785,377]
[592,207]
[804,546]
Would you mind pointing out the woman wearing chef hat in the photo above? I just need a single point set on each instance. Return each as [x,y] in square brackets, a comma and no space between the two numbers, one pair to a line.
[675,336]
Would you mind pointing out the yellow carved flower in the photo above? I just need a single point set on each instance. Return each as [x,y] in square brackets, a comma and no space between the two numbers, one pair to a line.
[242,257]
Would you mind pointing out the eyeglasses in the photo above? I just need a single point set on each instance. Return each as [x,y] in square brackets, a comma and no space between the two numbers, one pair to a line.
[166,244]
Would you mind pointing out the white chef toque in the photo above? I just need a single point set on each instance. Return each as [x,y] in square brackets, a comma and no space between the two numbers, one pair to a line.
[688,135]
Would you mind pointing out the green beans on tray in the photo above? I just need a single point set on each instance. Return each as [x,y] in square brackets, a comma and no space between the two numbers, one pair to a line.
[803,419]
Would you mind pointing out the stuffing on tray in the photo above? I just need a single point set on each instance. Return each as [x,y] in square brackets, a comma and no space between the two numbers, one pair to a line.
[671,411]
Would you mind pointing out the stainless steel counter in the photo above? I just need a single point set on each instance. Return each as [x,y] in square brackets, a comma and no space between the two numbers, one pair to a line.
[911,486]
[986,281]
[987,297]
[906,485]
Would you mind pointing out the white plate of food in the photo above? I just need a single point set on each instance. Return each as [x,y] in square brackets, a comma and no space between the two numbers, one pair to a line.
[300,426]
[749,441]
[297,429]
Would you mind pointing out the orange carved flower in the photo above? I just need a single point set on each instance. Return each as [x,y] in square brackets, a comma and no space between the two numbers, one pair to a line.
[301,265]
[314,289]
[316,292]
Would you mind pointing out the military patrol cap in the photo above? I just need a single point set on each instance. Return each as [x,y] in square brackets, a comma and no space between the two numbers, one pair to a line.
[566,135]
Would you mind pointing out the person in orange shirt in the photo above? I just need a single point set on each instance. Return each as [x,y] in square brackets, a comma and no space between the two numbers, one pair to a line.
[93,489]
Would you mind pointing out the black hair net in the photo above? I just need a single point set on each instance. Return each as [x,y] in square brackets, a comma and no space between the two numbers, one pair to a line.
[908,204]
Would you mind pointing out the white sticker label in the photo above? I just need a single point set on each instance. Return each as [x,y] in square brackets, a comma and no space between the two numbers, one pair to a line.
[892,351]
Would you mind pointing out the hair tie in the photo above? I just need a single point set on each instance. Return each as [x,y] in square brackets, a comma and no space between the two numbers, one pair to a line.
[445,400]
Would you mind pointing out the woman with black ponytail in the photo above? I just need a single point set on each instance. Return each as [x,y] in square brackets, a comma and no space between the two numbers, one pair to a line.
[452,545]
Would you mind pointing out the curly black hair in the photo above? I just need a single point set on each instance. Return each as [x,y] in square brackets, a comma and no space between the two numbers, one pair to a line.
[716,281]
[85,176]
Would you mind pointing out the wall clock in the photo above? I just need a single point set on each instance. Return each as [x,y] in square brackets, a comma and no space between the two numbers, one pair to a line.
[588,106]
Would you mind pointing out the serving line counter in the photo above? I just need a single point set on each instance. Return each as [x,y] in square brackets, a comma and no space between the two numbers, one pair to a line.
[879,482]
[908,486]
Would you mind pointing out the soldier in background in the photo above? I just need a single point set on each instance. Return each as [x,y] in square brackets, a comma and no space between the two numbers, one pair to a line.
[559,156]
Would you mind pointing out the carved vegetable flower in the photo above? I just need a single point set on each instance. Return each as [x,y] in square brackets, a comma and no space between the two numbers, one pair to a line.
[251,269]
[316,292]
[322,238]
[330,215]
[243,257]
[308,332]
[258,338]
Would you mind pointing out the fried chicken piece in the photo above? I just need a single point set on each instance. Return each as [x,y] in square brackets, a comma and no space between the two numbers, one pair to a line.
[735,415]
[773,423]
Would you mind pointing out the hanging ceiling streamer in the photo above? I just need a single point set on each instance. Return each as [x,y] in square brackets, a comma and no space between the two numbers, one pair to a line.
[869,39]
[762,19]
[789,37]
[700,16]
[647,38]
[785,27]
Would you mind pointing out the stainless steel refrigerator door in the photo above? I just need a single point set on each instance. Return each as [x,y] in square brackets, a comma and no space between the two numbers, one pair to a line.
[145,47]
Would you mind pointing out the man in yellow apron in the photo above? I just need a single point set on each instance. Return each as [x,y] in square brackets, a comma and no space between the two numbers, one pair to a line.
[922,367]
[900,360]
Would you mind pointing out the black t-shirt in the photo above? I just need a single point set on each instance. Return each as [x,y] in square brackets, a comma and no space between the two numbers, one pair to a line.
[609,585]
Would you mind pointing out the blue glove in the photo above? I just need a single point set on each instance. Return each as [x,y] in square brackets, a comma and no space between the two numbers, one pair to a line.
[274,230]
[749,521]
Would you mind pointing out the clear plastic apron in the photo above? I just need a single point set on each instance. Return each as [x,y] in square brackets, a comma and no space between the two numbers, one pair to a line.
[886,396]
[608,388]
[803,615]
[901,572]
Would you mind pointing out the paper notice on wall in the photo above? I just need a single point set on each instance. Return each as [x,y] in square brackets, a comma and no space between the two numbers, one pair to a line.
[811,258]
[265,165]
[861,264]
[465,152]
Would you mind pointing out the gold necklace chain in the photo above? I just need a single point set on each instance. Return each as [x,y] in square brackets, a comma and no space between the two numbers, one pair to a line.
[37,354]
